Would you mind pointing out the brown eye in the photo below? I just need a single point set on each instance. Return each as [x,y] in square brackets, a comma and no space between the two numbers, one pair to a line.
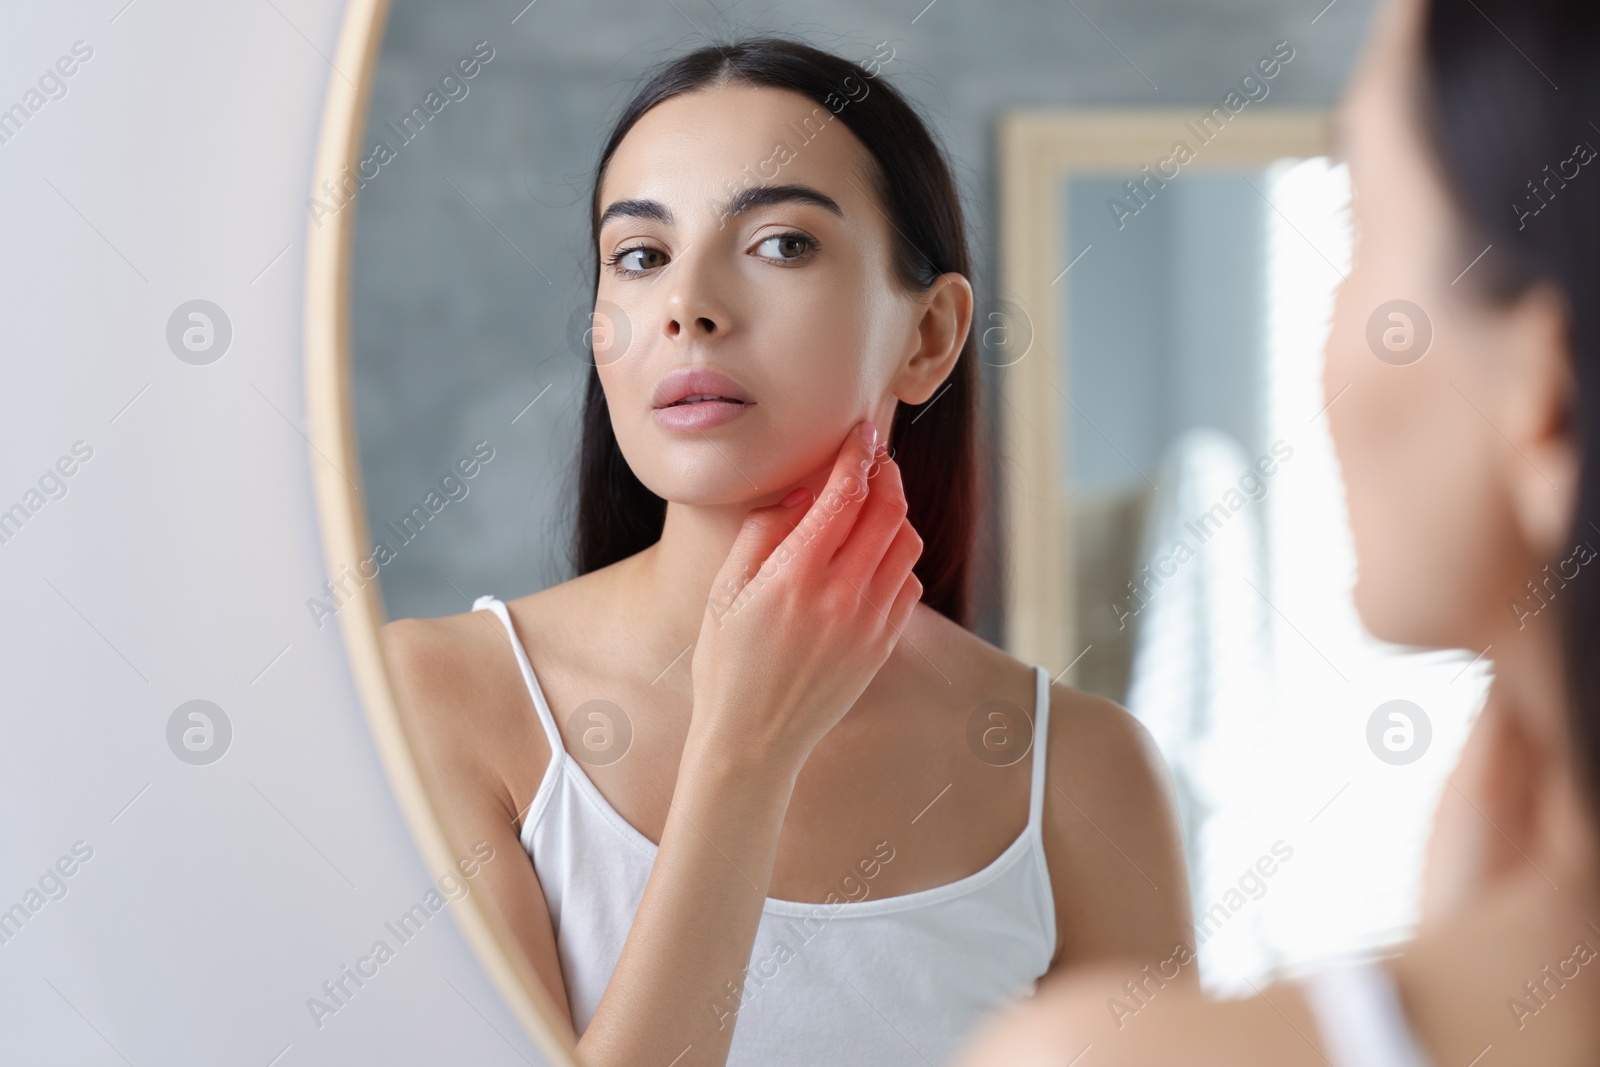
[635,260]
[785,246]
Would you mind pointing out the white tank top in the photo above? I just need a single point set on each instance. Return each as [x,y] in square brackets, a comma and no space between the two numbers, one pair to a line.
[886,981]
[1359,1016]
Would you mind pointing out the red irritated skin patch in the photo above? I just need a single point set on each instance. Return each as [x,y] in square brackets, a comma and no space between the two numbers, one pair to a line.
[834,498]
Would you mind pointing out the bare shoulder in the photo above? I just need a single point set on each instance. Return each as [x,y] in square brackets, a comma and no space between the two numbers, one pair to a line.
[1088,736]
[961,662]
[1118,873]
[461,694]
[1170,1024]
[1099,749]
[1111,837]
[477,737]
[458,681]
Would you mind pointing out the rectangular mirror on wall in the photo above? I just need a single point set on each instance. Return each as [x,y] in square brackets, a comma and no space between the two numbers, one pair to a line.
[1176,530]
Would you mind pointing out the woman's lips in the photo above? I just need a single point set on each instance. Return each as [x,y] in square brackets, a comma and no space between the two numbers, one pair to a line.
[699,414]
[687,382]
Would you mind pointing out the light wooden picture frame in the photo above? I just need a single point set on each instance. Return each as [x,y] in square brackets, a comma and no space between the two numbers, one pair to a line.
[1038,151]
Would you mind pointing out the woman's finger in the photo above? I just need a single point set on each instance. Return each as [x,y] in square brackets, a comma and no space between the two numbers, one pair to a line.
[905,603]
[898,560]
[829,521]
[754,553]
[882,514]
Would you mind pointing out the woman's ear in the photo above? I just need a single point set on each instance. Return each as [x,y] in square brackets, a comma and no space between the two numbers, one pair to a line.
[1543,489]
[944,315]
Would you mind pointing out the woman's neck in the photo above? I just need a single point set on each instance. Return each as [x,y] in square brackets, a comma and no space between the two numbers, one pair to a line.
[1530,690]
[672,580]
[1506,948]
[1517,801]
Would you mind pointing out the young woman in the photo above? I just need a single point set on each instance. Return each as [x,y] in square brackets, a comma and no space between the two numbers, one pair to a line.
[839,826]
[1473,476]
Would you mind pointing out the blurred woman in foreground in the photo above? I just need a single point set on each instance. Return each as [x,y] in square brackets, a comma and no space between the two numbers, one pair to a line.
[1473,483]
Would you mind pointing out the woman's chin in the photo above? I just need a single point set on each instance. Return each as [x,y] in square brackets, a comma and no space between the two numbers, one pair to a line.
[709,489]
[711,472]
[1374,604]
[1391,610]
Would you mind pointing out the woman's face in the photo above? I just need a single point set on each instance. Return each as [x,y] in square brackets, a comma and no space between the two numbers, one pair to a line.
[790,296]
[1444,447]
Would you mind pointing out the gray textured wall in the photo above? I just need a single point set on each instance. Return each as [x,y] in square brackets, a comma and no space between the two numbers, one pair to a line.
[470,252]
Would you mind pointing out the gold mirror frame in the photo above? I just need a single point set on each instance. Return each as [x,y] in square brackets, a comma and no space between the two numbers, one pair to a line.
[342,515]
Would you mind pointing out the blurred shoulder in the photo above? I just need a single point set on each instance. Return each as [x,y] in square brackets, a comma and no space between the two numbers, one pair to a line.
[1089,1006]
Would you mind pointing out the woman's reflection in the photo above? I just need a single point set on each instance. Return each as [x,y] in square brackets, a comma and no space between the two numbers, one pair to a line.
[783,806]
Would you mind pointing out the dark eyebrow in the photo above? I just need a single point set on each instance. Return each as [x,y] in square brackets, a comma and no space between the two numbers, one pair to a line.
[751,197]
[765,195]
[653,210]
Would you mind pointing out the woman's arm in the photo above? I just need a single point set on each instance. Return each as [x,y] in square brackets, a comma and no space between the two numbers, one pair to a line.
[801,618]
[674,995]
[695,927]
[451,680]
[696,924]
[1117,868]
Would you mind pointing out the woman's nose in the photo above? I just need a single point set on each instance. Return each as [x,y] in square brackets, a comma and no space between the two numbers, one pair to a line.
[703,324]
[696,308]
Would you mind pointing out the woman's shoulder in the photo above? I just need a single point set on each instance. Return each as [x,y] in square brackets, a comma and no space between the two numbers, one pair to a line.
[447,656]
[1176,1023]
[459,687]
[1109,827]
[1080,724]
[471,650]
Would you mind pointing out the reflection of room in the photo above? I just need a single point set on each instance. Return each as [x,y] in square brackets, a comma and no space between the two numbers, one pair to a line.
[1172,312]
[1171,333]
[470,250]
[1209,552]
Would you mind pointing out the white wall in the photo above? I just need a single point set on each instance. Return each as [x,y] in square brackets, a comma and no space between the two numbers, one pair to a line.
[217,898]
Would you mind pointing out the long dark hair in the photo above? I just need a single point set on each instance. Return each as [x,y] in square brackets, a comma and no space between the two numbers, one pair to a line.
[934,443]
[1502,120]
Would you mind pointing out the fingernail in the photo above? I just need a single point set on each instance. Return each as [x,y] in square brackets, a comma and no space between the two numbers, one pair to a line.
[869,434]
[795,496]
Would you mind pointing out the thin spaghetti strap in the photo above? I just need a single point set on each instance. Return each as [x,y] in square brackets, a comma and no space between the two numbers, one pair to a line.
[498,607]
[1041,725]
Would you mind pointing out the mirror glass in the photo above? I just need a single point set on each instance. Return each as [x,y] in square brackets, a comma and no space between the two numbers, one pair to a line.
[1213,562]
[1193,495]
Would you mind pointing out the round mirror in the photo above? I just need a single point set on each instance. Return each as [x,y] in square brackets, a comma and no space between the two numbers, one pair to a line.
[589,285]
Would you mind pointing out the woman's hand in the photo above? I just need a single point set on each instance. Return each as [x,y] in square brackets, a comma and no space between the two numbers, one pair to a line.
[805,611]
[802,615]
